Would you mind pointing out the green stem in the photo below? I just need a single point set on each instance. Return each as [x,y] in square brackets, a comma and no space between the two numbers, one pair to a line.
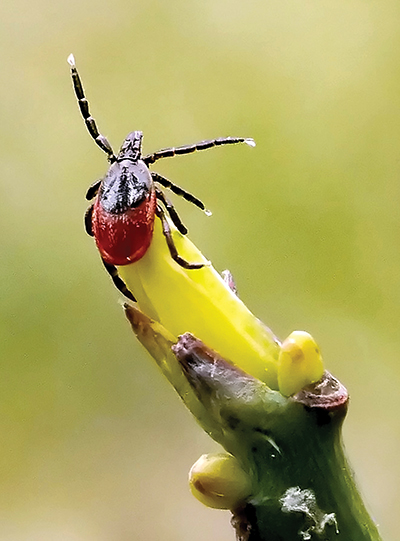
[290,448]
[307,489]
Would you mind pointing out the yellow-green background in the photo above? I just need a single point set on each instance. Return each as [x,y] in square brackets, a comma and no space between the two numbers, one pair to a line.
[94,444]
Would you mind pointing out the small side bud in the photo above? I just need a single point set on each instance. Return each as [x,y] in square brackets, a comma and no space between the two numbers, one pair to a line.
[300,363]
[218,481]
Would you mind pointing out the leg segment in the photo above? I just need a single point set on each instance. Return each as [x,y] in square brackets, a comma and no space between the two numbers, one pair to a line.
[93,189]
[84,107]
[171,245]
[172,212]
[203,145]
[88,221]
[177,190]
[119,284]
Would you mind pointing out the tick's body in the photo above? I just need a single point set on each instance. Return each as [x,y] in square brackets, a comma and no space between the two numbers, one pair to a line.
[124,212]
[127,200]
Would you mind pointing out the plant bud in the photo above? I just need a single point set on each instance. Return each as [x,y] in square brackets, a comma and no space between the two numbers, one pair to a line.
[218,481]
[300,363]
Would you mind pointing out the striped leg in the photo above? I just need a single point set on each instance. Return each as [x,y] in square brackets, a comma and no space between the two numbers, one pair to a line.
[172,212]
[84,107]
[177,190]
[203,145]
[171,245]
[119,284]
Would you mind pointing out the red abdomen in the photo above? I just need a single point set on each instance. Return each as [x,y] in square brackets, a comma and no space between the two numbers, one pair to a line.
[124,238]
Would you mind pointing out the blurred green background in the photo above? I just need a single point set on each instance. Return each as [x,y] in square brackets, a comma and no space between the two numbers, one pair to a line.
[94,444]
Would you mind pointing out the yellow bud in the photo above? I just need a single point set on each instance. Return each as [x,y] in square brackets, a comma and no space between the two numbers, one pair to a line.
[200,302]
[300,363]
[218,481]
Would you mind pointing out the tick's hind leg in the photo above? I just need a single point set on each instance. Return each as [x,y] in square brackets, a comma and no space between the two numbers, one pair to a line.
[118,282]
[171,245]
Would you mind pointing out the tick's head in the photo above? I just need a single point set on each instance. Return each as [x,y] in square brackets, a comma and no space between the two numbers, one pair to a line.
[131,148]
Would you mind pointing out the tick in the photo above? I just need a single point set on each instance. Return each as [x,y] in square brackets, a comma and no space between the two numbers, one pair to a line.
[128,199]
